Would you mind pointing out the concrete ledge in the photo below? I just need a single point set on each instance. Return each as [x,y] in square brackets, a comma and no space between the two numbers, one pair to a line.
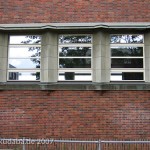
[90,25]
[74,86]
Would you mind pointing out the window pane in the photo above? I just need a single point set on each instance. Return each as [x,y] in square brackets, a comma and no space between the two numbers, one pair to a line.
[66,39]
[74,63]
[17,52]
[24,76]
[127,51]
[75,76]
[74,51]
[127,76]
[24,63]
[127,39]
[29,39]
[126,63]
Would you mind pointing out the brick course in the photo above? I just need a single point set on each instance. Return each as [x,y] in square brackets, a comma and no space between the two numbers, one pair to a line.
[75,114]
[50,11]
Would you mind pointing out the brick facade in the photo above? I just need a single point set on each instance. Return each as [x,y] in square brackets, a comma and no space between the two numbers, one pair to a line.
[51,11]
[75,114]
[107,114]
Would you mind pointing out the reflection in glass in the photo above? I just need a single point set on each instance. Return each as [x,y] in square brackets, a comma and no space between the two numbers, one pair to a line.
[24,63]
[75,76]
[120,76]
[127,39]
[74,51]
[126,51]
[126,63]
[74,63]
[65,39]
[29,39]
[24,76]
[18,52]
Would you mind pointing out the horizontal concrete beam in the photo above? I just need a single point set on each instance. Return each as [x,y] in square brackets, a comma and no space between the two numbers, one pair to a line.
[74,86]
[55,26]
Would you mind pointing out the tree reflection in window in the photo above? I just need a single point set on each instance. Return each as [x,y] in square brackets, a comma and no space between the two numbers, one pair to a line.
[65,39]
[127,51]
[24,57]
[127,57]
[75,54]
[75,63]
[127,39]
[34,39]
[74,51]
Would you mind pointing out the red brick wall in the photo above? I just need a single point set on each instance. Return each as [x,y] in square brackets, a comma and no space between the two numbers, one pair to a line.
[75,114]
[48,11]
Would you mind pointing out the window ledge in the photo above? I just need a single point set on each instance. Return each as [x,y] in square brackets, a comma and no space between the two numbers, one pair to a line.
[75,86]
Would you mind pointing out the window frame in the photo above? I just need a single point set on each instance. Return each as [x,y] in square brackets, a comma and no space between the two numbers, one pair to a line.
[24,70]
[128,70]
[76,70]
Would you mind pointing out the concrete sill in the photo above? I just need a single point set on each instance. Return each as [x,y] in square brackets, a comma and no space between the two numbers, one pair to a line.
[74,86]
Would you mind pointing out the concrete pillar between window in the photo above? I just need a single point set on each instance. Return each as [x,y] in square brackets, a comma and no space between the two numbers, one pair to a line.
[101,57]
[49,57]
[3,57]
[147,56]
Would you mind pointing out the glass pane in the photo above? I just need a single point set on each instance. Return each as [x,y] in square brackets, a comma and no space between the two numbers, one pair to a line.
[17,52]
[126,63]
[24,63]
[127,39]
[127,51]
[75,63]
[74,51]
[127,76]
[22,76]
[66,39]
[75,76]
[28,39]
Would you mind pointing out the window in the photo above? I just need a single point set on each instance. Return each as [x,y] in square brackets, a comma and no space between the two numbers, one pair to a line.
[127,58]
[75,53]
[24,58]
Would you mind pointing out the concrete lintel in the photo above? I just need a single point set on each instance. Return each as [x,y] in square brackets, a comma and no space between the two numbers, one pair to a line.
[55,26]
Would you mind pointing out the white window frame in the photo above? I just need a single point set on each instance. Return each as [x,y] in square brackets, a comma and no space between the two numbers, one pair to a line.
[24,70]
[119,70]
[77,70]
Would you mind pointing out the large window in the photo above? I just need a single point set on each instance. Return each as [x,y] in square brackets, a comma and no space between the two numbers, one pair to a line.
[75,53]
[127,58]
[24,58]
[75,58]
